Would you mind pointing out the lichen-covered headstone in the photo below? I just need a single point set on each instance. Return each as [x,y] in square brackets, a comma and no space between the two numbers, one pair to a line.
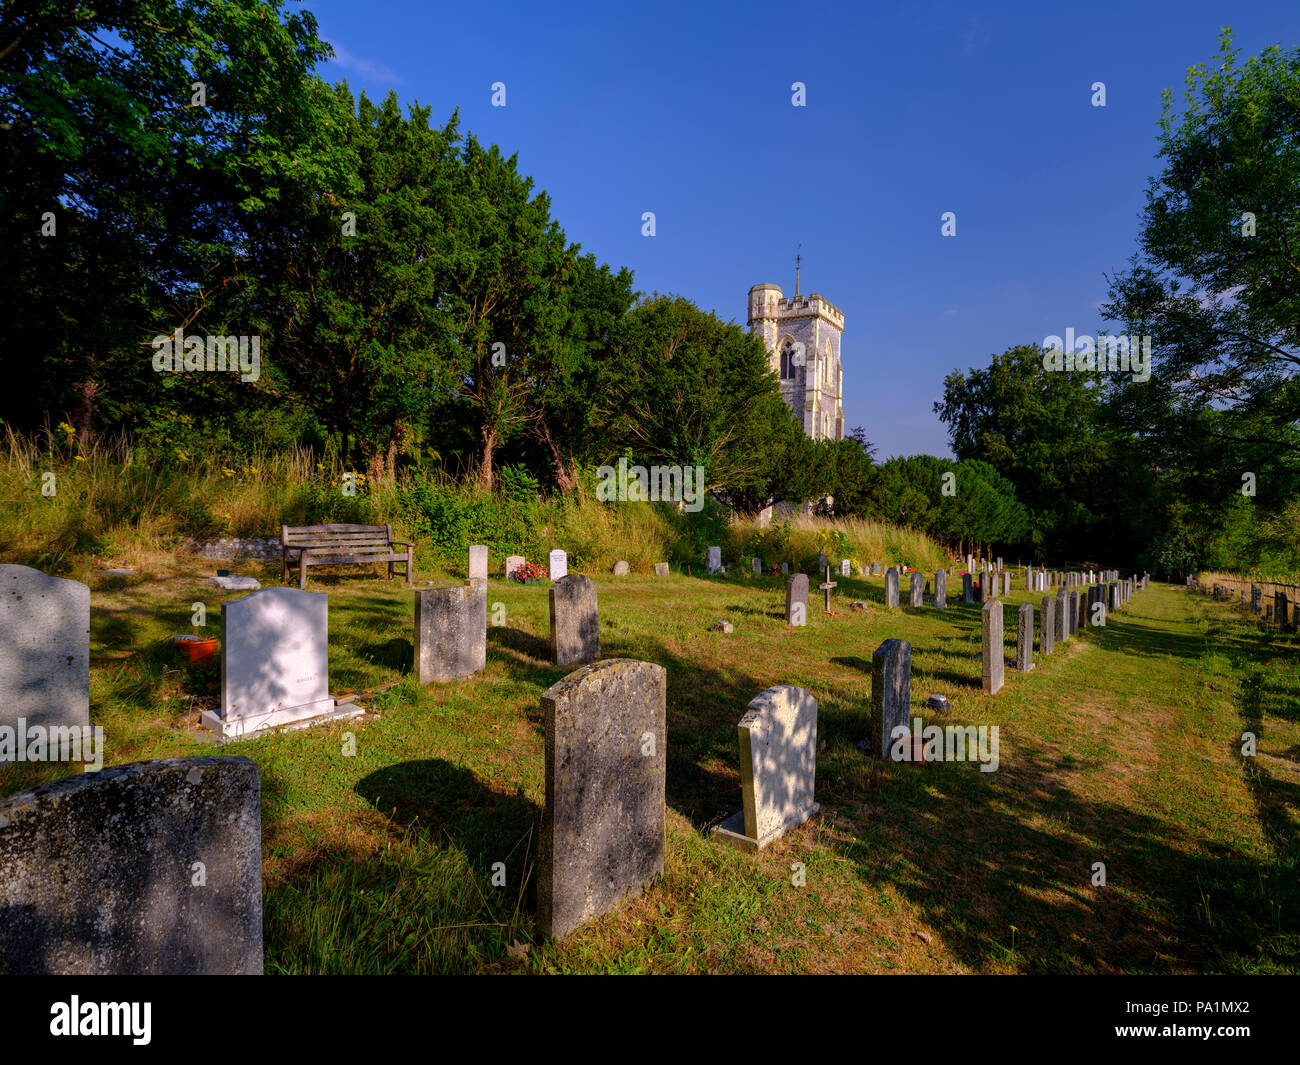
[1025,638]
[661,569]
[992,662]
[602,837]
[891,693]
[44,649]
[575,629]
[916,590]
[778,762]
[450,632]
[146,868]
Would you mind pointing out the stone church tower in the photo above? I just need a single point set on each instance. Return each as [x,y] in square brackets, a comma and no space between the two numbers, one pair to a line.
[812,387]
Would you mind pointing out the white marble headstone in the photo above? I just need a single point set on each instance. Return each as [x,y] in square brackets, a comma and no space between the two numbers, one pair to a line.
[846,568]
[44,649]
[274,661]
[478,562]
[559,564]
[778,763]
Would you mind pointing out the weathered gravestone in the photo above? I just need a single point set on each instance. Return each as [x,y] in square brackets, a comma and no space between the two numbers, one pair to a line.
[661,569]
[575,628]
[1025,638]
[559,564]
[1047,616]
[891,694]
[941,589]
[846,567]
[778,763]
[982,589]
[714,560]
[1079,611]
[796,600]
[1062,615]
[822,563]
[785,569]
[992,660]
[450,631]
[757,564]
[99,872]
[602,834]
[274,663]
[875,569]
[966,592]
[826,586]
[44,649]
[1256,598]
[891,588]
[621,568]
[1006,582]
[917,589]
[478,562]
[513,562]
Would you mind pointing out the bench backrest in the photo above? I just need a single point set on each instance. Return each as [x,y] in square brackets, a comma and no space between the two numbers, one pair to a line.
[335,535]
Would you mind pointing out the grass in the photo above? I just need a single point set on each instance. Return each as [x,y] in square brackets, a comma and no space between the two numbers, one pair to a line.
[1123,747]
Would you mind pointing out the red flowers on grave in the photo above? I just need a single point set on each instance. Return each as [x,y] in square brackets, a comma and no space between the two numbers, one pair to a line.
[530,571]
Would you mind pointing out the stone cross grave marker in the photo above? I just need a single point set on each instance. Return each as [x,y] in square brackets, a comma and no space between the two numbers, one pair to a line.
[826,587]
[778,763]
[602,837]
[44,649]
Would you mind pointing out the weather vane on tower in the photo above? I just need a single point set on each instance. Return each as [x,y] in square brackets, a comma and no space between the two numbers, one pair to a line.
[797,259]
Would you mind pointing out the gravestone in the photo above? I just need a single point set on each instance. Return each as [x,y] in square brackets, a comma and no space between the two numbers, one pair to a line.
[513,562]
[757,564]
[918,584]
[575,629]
[621,568]
[450,632]
[602,837]
[891,588]
[846,568]
[1062,615]
[44,649]
[875,569]
[714,560]
[1047,616]
[478,562]
[274,663]
[559,564]
[1079,612]
[661,569]
[891,693]
[785,569]
[796,600]
[941,589]
[992,662]
[1025,638]
[778,763]
[826,587]
[982,589]
[822,563]
[966,593]
[97,871]
[1256,598]
[1006,582]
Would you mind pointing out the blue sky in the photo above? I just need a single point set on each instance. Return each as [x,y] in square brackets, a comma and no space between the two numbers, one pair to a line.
[912,110]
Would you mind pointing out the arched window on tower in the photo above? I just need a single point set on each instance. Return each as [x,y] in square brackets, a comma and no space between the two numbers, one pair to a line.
[788,365]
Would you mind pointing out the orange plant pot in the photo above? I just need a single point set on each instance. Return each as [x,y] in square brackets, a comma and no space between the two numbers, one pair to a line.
[198,648]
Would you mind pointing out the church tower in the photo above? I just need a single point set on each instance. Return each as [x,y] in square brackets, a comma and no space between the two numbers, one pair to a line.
[802,335]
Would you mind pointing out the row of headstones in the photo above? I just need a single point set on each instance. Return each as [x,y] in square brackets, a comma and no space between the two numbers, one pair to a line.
[1280,611]
[176,887]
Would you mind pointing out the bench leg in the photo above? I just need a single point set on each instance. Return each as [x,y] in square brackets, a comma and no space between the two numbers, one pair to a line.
[410,567]
[302,574]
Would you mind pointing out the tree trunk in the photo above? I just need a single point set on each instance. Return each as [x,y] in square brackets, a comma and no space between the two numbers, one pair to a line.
[485,462]
[85,409]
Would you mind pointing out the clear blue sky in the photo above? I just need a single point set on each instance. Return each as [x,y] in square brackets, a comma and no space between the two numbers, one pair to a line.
[912,110]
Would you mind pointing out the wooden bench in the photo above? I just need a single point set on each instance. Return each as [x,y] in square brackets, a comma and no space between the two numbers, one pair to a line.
[342,545]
